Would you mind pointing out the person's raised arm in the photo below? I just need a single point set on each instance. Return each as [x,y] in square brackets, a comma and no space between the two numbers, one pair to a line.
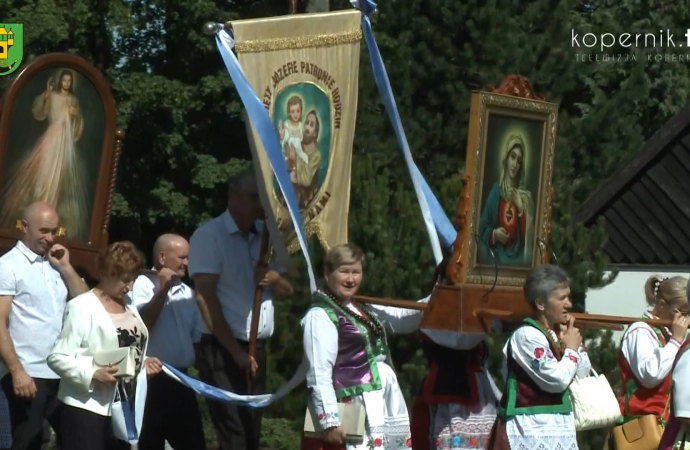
[75,284]
[400,320]
[148,300]
[23,384]
[530,349]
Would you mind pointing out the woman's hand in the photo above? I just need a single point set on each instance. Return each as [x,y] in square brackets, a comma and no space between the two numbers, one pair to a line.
[571,337]
[679,328]
[153,366]
[106,375]
[335,436]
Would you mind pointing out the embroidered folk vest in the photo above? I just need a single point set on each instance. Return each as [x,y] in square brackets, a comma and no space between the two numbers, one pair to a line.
[355,370]
[635,400]
[523,396]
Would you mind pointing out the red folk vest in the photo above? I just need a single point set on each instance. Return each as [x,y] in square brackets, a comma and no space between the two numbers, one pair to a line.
[640,400]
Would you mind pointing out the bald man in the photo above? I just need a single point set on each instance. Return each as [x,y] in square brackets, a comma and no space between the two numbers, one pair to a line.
[34,288]
[168,307]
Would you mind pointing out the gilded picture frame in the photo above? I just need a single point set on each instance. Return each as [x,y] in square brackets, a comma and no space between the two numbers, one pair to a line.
[509,168]
[58,122]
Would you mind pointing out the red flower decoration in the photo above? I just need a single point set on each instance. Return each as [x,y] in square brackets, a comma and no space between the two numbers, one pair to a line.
[539,352]
[473,441]
[320,416]
[439,442]
[408,443]
[574,358]
[378,442]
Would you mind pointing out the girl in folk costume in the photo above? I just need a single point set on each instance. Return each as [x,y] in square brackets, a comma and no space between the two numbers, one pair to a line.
[647,354]
[677,432]
[541,359]
[349,362]
[456,406]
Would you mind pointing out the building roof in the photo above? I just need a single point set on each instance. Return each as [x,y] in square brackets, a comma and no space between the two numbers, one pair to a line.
[646,204]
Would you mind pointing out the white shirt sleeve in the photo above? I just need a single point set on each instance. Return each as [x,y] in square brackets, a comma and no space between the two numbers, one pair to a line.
[585,365]
[8,280]
[681,387]
[142,291]
[399,320]
[321,351]
[204,254]
[66,358]
[649,363]
[530,349]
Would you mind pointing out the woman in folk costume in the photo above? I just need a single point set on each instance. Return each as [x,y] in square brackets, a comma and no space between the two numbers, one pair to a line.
[677,432]
[349,362]
[541,359]
[456,406]
[647,354]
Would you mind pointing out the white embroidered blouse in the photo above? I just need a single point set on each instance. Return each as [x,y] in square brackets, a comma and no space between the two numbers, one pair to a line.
[649,363]
[531,351]
[321,350]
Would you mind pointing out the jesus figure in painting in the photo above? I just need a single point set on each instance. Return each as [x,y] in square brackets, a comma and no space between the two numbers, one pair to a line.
[506,226]
[51,170]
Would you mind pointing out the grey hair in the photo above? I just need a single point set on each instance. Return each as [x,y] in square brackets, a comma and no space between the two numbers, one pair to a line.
[542,281]
[241,180]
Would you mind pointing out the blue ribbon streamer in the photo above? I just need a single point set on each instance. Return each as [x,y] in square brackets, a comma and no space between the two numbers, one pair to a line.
[429,204]
[269,138]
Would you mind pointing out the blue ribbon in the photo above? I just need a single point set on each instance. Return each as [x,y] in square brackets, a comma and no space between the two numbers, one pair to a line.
[429,204]
[269,138]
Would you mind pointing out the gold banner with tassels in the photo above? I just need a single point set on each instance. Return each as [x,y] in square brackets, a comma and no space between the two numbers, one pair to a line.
[305,69]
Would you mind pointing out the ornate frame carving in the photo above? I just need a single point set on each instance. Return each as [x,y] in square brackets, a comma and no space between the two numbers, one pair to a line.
[521,103]
[82,251]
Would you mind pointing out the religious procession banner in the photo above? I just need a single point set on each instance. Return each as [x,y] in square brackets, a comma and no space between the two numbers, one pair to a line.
[305,69]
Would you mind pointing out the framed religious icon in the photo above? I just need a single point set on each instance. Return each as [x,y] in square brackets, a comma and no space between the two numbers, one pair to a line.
[59,144]
[509,168]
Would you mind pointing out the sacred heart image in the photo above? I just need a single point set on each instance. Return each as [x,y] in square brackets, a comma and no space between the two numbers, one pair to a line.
[510,191]
[302,115]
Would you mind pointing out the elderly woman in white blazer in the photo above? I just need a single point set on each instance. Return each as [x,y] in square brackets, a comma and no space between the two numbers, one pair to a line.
[95,322]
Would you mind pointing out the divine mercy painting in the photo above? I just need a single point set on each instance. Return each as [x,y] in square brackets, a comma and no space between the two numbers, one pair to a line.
[54,149]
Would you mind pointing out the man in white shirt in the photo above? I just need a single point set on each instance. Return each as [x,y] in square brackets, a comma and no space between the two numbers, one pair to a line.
[168,308]
[34,288]
[223,259]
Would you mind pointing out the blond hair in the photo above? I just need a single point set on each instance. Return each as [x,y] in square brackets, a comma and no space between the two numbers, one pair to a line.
[341,255]
[671,290]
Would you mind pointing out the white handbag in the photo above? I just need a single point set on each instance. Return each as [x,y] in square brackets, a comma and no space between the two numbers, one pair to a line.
[594,403]
[124,358]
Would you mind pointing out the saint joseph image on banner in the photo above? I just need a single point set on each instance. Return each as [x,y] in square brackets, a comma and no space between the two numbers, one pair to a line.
[507,228]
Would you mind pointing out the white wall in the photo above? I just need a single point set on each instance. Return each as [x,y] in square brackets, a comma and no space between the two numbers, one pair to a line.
[625,296]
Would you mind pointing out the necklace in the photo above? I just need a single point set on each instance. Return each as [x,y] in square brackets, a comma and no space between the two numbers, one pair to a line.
[371,323]
[555,343]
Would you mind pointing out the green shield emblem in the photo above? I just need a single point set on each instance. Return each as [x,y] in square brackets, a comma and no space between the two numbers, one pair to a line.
[11,47]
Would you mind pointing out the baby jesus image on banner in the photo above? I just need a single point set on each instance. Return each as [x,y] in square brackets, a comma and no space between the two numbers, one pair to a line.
[507,223]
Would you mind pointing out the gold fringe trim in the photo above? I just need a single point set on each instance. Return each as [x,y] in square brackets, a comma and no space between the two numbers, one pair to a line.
[321,40]
[310,230]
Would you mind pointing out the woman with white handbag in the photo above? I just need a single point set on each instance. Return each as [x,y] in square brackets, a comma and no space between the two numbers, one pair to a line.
[100,351]
[355,402]
[645,360]
[540,363]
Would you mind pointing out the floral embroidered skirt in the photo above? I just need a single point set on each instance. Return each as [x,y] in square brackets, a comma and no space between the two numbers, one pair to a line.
[370,442]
